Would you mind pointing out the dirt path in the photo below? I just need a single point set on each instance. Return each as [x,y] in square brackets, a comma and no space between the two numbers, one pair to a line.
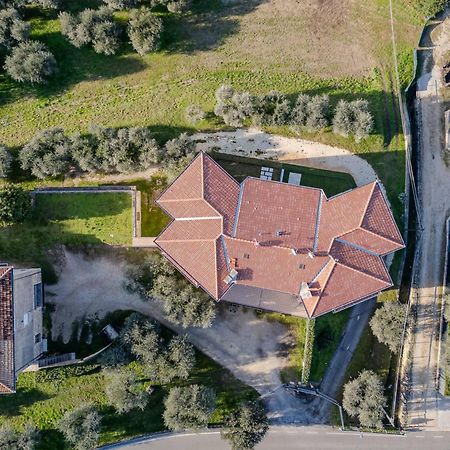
[254,350]
[256,143]
[426,408]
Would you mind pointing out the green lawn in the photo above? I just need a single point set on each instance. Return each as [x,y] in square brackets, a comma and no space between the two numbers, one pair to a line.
[241,167]
[153,218]
[75,220]
[328,331]
[43,397]
[104,218]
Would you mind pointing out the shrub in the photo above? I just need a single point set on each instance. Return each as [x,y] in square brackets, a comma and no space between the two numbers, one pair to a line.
[245,427]
[122,4]
[353,118]
[272,109]
[144,30]
[48,154]
[299,113]
[13,29]
[11,439]
[15,204]
[81,427]
[95,27]
[363,398]
[317,111]
[233,107]
[124,391]
[179,147]
[189,407]
[387,324]
[194,113]
[5,161]
[30,62]
[181,357]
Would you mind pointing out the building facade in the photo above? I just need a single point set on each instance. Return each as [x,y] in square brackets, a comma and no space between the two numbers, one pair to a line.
[21,323]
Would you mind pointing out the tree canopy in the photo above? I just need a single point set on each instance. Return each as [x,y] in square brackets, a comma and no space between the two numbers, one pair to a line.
[363,398]
[13,29]
[189,408]
[30,61]
[81,427]
[11,439]
[387,324]
[144,30]
[245,427]
[5,161]
[15,204]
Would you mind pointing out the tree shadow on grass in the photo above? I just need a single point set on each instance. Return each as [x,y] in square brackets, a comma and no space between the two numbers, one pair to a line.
[11,405]
[207,27]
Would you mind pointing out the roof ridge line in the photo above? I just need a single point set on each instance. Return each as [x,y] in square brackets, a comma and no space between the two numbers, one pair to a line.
[182,199]
[353,245]
[378,235]
[185,219]
[325,284]
[367,204]
[189,240]
[363,273]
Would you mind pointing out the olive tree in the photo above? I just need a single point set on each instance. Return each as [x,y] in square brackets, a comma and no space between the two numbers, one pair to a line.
[5,161]
[15,204]
[13,29]
[189,408]
[387,324]
[194,113]
[246,426]
[144,30]
[233,107]
[317,112]
[47,154]
[364,399]
[92,26]
[31,62]
[122,4]
[272,109]
[124,391]
[81,427]
[353,118]
[11,439]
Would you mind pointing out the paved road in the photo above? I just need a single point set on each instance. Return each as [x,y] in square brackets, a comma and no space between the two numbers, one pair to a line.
[426,408]
[341,359]
[302,438]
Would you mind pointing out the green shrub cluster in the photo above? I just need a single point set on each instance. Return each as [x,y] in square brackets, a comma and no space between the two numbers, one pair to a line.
[307,354]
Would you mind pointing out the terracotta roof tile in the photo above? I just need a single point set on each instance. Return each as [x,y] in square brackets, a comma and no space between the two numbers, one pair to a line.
[187,230]
[378,218]
[370,241]
[347,233]
[278,214]
[221,191]
[346,286]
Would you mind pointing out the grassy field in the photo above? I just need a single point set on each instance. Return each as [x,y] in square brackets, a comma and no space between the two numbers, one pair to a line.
[70,219]
[44,396]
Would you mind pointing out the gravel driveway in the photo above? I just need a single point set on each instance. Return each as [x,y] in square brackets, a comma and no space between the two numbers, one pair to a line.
[254,350]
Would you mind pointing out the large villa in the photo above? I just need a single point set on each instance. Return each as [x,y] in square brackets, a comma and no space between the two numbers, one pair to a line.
[276,246]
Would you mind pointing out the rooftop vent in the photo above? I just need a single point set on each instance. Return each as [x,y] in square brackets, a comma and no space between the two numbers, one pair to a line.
[231,277]
[301,266]
[279,233]
[246,256]
[294,251]
[311,254]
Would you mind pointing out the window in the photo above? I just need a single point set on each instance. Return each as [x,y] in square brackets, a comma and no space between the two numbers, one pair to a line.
[37,295]
[301,266]
[37,338]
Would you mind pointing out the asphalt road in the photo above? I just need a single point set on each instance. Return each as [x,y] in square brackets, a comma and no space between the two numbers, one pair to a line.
[301,438]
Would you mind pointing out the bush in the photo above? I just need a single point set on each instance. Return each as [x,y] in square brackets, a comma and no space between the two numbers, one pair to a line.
[122,4]
[299,113]
[175,6]
[387,324]
[363,398]
[233,107]
[48,154]
[317,112]
[13,29]
[179,147]
[124,391]
[81,427]
[189,408]
[15,204]
[11,439]
[144,31]
[95,27]
[194,113]
[30,62]
[353,118]
[245,427]
[5,161]
[272,109]
[429,8]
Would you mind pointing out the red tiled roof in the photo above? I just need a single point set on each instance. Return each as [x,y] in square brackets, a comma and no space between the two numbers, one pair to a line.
[7,378]
[278,237]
